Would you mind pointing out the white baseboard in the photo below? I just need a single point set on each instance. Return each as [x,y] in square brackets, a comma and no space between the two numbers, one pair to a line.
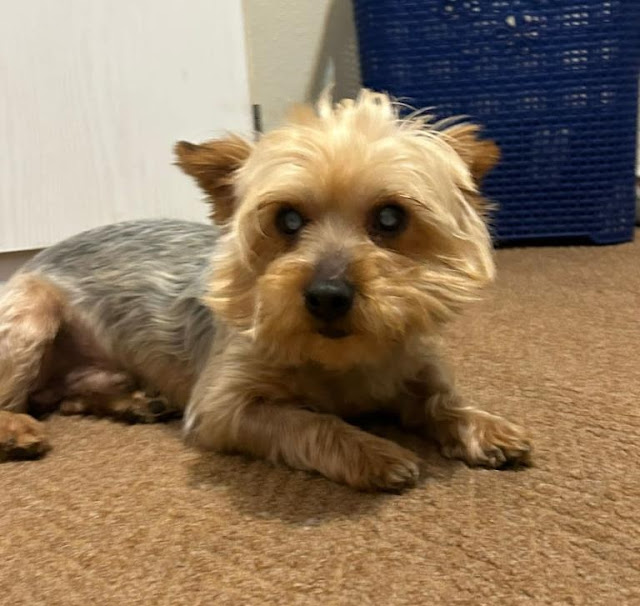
[12,261]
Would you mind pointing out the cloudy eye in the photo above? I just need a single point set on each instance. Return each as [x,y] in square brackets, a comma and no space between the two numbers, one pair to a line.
[289,221]
[389,220]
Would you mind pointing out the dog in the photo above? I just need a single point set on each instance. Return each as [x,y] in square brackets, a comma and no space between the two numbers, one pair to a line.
[341,244]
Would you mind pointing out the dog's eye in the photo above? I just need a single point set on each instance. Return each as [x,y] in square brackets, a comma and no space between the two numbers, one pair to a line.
[289,221]
[389,220]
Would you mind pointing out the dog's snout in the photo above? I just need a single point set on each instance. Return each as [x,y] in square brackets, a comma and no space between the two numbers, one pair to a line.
[329,299]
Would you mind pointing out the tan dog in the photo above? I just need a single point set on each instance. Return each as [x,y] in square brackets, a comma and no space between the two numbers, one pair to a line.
[347,238]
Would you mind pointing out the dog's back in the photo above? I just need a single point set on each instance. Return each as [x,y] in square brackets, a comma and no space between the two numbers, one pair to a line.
[135,252]
[132,287]
[136,277]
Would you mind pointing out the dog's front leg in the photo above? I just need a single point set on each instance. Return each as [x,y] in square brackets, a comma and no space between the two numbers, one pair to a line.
[463,432]
[228,419]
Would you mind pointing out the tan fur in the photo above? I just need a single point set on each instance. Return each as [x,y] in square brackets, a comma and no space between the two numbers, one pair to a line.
[21,436]
[336,179]
[273,384]
[30,316]
[481,156]
[212,165]
[335,167]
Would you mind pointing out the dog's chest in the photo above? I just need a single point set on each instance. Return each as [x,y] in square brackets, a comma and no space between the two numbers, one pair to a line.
[349,393]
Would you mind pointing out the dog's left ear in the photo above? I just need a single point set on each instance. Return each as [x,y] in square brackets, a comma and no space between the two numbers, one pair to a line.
[213,165]
[480,155]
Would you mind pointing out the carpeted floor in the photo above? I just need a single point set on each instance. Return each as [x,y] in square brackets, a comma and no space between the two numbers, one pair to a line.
[127,515]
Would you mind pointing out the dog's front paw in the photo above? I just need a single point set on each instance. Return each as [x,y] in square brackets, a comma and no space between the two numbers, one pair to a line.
[483,439]
[21,437]
[379,464]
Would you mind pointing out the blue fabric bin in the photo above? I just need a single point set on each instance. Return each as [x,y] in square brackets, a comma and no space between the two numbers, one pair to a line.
[554,82]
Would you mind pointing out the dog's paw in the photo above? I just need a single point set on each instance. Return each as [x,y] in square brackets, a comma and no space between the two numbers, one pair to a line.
[142,408]
[486,440]
[21,437]
[382,465]
[136,407]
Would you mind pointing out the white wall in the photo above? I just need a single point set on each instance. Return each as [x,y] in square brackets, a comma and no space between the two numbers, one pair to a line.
[12,261]
[93,96]
[297,47]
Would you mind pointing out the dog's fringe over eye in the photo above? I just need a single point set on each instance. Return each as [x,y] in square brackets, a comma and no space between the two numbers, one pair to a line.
[289,221]
[389,220]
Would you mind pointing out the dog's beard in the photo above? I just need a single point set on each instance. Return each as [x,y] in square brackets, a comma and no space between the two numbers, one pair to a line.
[375,329]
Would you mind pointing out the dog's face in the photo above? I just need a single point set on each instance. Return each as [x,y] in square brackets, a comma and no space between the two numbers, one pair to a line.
[346,232]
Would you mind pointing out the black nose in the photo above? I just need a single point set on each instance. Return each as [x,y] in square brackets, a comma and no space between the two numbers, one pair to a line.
[329,299]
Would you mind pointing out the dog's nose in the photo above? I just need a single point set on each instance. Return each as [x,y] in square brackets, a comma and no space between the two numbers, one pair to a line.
[329,299]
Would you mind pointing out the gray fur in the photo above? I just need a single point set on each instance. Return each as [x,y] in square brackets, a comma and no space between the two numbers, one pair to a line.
[139,284]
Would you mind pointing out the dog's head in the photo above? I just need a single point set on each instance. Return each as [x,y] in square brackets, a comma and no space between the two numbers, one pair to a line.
[347,231]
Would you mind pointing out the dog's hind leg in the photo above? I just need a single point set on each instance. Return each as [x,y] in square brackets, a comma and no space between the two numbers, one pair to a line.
[137,406]
[31,312]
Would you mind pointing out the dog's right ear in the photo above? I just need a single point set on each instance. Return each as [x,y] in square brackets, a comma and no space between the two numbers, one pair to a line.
[480,155]
[213,165]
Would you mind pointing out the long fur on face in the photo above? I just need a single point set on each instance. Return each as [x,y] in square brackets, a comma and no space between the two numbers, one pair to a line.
[335,166]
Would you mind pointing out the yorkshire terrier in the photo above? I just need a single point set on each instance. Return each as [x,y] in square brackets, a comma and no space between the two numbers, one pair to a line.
[344,241]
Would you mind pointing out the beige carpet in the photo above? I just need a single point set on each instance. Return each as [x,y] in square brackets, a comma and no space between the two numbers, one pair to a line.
[127,515]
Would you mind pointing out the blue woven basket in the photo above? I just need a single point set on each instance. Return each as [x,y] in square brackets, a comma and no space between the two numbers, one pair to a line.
[555,83]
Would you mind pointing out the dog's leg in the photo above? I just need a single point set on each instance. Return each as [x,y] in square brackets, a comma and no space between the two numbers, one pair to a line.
[464,432]
[31,311]
[475,436]
[129,406]
[21,436]
[302,439]
[106,392]
[84,379]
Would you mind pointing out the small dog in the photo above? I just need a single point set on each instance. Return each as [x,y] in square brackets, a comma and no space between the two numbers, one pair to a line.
[344,241]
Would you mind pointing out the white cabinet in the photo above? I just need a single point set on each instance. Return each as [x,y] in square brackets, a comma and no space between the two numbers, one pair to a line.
[93,94]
